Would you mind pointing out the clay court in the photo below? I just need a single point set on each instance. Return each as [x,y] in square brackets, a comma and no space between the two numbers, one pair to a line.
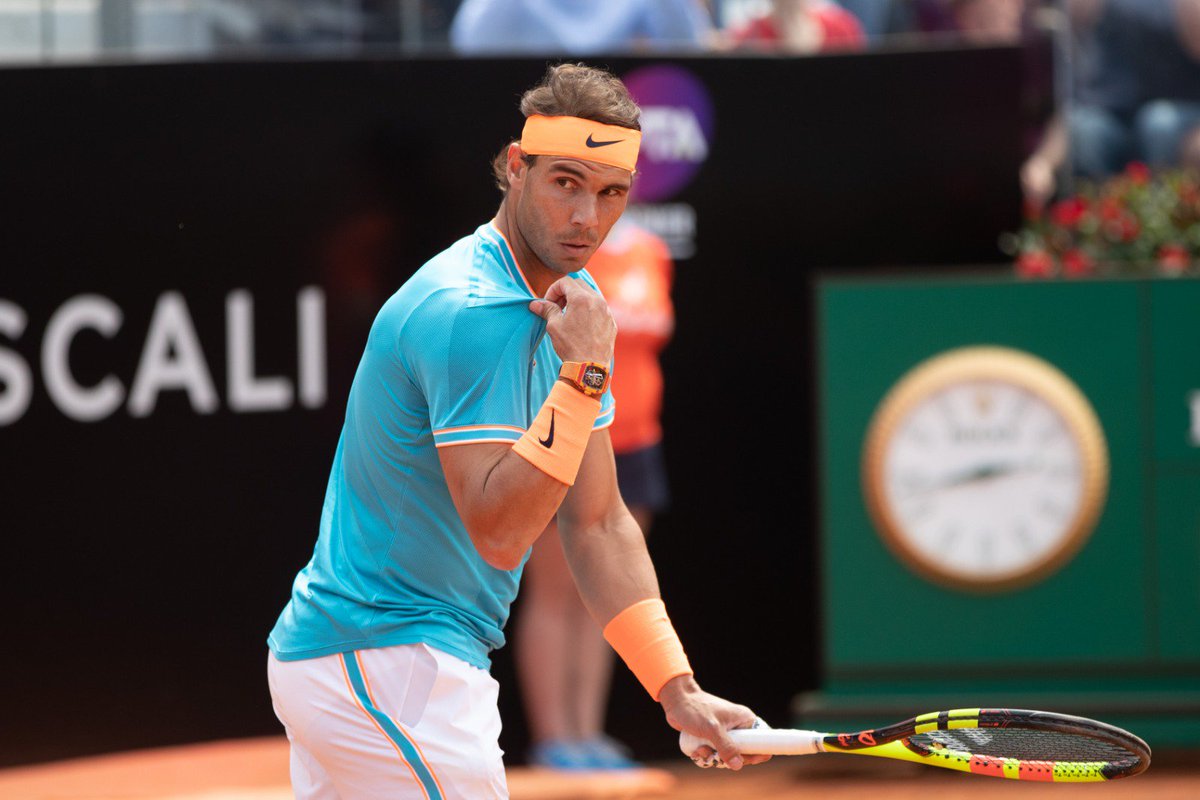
[256,769]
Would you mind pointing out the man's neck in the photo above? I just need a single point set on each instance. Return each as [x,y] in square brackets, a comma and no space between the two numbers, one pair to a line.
[538,274]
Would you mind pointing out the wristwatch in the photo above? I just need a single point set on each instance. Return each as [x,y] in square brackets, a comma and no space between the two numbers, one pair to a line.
[588,377]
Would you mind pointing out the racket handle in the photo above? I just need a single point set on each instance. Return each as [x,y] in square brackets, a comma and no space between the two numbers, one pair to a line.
[762,741]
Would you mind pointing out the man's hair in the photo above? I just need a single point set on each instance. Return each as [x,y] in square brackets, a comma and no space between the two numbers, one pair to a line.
[574,90]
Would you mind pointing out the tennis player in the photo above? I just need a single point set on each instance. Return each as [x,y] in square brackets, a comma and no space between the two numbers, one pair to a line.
[563,662]
[478,415]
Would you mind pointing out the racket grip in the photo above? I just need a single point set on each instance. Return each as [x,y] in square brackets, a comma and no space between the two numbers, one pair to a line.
[762,741]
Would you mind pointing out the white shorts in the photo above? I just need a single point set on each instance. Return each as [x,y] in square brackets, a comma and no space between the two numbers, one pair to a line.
[394,722]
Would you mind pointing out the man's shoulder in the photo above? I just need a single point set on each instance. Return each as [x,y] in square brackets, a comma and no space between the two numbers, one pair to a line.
[448,269]
[467,273]
[463,294]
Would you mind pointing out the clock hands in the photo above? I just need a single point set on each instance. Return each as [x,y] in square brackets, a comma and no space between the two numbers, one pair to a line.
[979,474]
[983,472]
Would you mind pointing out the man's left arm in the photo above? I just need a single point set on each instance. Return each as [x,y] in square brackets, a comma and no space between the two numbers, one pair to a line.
[607,555]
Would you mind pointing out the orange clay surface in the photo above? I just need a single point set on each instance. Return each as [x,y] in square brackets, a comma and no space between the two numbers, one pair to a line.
[256,769]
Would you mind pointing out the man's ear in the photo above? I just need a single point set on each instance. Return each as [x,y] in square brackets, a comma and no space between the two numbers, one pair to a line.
[516,164]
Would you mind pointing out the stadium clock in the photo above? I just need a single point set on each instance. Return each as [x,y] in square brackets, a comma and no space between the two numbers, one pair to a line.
[985,468]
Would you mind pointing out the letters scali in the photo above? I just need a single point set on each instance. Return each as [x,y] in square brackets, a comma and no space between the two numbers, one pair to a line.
[171,359]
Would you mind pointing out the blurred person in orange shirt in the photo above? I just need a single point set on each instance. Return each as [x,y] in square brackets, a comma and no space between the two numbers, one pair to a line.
[634,271]
[563,663]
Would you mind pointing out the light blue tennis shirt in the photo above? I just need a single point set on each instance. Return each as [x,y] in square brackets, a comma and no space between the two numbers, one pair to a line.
[454,357]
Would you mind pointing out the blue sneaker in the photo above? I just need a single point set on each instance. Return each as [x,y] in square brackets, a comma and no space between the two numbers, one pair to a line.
[560,754]
[605,752]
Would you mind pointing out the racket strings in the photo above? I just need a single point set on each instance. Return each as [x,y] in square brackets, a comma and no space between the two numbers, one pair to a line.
[1026,745]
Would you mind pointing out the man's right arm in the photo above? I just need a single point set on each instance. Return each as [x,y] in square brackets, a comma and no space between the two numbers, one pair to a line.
[507,495]
[504,501]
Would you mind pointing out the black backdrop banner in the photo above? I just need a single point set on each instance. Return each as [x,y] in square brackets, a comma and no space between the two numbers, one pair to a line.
[193,254]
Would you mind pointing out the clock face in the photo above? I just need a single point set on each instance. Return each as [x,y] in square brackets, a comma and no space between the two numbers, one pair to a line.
[985,468]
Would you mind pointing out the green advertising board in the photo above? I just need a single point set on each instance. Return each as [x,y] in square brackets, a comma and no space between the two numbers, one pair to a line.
[973,551]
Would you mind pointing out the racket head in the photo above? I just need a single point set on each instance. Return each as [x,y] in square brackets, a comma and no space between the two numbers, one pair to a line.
[1011,743]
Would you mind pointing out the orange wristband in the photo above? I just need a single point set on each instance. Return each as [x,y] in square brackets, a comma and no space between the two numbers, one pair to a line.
[558,436]
[645,639]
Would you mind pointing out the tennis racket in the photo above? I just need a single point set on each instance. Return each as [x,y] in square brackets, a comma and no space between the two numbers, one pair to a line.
[1002,743]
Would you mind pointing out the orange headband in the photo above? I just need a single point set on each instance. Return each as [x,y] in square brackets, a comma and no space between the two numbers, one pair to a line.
[585,139]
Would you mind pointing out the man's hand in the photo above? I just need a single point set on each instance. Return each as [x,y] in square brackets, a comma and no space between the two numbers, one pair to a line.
[580,326]
[689,709]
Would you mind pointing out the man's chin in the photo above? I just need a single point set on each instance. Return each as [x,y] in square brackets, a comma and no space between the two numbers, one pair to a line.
[567,264]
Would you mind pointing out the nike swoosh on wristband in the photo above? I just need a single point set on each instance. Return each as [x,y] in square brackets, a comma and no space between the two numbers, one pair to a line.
[548,442]
[591,143]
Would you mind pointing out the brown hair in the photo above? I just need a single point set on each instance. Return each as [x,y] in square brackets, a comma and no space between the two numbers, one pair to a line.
[574,90]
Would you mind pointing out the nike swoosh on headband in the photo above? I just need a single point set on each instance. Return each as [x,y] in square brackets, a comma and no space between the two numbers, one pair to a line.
[592,143]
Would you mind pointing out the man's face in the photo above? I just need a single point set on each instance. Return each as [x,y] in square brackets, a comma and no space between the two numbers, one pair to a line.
[565,207]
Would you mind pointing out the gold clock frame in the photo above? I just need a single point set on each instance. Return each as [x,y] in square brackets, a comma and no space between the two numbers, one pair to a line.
[990,363]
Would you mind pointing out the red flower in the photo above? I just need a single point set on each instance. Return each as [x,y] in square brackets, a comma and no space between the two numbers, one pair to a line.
[1035,264]
[1110,208]
[1067,213]
[1076,263]
[1189,193]
[1123,229]
[1138,173]
[1173,258]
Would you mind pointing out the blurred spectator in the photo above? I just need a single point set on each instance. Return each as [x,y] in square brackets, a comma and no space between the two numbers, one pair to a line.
[580,27]
[801,26]
[988,22]
[633,269]
[1134,93]
[1139,91]
[310,24]
[979,22]
[931,16]
[881,17]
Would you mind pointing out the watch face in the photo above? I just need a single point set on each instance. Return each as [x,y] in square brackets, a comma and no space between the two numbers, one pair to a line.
[985,475]
[593,378]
